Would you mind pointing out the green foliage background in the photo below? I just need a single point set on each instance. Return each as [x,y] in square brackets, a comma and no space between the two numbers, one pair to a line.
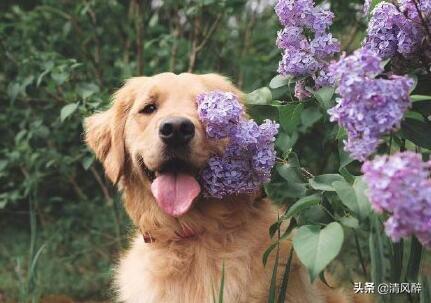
[61,223]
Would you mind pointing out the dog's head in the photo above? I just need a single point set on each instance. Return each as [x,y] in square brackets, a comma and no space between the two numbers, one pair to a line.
[152,134]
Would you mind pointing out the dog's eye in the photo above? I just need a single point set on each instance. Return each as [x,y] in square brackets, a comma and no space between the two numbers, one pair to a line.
[148,109]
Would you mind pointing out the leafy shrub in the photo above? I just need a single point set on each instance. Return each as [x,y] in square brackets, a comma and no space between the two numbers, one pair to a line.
[382,107]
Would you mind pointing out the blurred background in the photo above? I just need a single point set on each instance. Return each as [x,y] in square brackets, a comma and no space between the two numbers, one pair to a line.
[62,225]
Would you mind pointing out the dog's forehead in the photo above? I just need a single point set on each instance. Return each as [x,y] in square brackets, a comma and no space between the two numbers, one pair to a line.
[166,84]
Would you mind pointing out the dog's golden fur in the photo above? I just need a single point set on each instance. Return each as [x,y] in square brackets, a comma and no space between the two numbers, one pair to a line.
[233,231]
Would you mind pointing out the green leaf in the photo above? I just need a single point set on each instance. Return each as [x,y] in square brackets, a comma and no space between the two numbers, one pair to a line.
[353,196]
[324,97]
[417,131]
[285,142]
[153,20]
[87,90]
[317,247]
[324,182]
[262,112]
[349,221]
[279,81]
[35,260]
[345,158]
[425,296]
[290,173]
[87,161]
[261,96]
[268,252]
[59,77]
[376,248]
[303,203]
[341,133]
[314,214]
[414,262]
[347,195]
[280,192]
[310,116]
[360,188]
[13,90]
[290,116]
[48,67]
[273,285]
[276,227]
[397,260]
[68,110]
[413,115]
[285,280]
[416,98]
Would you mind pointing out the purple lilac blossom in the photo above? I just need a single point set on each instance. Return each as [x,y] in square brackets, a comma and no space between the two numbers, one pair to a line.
[304,55]
[397,28]
[400,184]
[323,78]
[220,112]
[249,156]
[368,107]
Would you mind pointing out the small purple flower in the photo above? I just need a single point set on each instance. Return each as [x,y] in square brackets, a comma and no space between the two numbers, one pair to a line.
[246,134]
[410,8]
[382,32]
[306,45]
[219,112]
[291,36]
[323,78]
[400,184]
[321,20]
[263,161]
[294,12]
[324,46]
[398,28]
[268,130]
[363,63]
[297,63]
[249,157]
[368,108]
[227,176]
[409,37]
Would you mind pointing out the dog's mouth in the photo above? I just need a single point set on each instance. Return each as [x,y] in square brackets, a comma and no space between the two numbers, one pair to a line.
[174,186]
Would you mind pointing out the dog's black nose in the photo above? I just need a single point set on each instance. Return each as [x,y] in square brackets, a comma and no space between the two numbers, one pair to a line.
[176,130]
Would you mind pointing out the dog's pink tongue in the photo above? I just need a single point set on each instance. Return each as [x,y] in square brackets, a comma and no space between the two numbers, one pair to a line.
[175,193]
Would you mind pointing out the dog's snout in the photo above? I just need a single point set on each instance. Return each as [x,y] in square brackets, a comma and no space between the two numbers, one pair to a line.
[176,130]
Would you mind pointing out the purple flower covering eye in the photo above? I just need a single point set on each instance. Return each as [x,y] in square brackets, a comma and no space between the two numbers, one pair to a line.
[249,157]
[400,184]
[220,112]
[368,107]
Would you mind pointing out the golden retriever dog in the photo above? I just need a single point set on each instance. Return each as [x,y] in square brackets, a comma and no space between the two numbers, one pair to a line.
[152,145]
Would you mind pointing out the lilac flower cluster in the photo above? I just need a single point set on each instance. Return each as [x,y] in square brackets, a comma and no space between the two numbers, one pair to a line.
[368,107]
[398,28]
[249,156]
[221,111]
[400,184]
[305,42]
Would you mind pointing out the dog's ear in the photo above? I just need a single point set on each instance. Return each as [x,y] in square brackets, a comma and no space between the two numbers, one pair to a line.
[219,82]
[104,132]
